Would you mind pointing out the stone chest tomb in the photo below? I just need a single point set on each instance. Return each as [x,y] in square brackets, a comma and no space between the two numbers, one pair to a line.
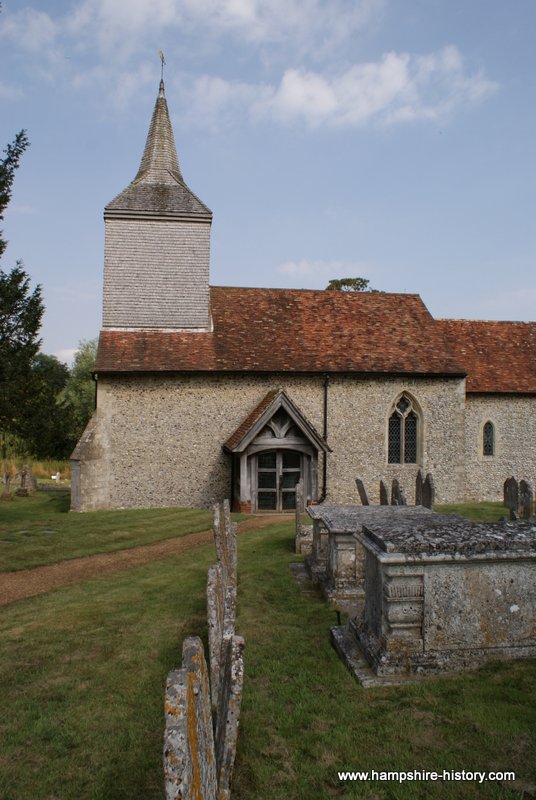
[443,593]
[337,559]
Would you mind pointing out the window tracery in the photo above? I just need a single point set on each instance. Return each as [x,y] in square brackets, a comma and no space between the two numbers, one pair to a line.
[403,432]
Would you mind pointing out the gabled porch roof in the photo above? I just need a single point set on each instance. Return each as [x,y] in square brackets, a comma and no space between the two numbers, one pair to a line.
[263,413]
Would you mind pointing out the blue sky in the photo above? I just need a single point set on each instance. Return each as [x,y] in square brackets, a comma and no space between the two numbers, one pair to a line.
[389,139]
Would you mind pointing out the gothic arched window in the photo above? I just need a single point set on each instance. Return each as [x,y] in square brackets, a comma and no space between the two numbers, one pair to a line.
[403,432]
[488,439]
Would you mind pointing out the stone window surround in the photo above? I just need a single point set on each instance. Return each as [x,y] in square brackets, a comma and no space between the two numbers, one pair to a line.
[496,449]
[416,407]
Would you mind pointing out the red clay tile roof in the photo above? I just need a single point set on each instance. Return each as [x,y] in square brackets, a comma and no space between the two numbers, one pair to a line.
[250,420]
[280,330]
[289,330]
[499,357]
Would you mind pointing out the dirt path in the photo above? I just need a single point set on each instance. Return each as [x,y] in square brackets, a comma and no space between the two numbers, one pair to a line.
[29,582]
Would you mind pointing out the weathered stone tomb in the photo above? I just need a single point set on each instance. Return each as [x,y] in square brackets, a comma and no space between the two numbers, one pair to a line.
[337,558]
[445,593]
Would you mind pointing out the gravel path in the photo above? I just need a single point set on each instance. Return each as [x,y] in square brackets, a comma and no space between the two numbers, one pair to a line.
[29,582]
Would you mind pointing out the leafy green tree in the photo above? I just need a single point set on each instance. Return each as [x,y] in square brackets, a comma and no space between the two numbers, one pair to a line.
[48,428]
[79,392]
[20,319]
[349,285]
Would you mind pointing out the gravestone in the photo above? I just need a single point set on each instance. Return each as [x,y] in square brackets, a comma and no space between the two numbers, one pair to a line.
[27,482]
[304,533]
[362,492]
[397,495]
[418,488]
[526,497]
[384,494]
[189,756]
[428,492]
[511,496]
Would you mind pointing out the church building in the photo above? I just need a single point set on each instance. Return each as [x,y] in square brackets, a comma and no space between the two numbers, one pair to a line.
[209,392]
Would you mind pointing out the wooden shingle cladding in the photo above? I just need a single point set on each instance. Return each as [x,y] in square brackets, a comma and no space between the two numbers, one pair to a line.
[289,330]
[157,243]
[499,357]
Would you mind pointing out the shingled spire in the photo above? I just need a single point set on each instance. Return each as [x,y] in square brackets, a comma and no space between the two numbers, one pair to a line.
[156,259]
[159,187]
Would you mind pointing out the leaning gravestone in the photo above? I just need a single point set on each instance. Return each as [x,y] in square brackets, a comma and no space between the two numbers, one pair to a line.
[428,492]
[384,494]
[362,492]
[526,497]
[418,488]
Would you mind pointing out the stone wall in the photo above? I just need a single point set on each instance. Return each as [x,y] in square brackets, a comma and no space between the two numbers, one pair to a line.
[514,421]
[90,466]
[165,266]
[162,436]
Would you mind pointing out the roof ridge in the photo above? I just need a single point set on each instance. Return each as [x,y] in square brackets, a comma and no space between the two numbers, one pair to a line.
[486,321]
[320,291]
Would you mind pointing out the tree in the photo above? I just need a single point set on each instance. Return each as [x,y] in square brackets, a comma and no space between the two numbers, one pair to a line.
[349,285]
[79,392]
[8,166]
[48,428]
[20,319]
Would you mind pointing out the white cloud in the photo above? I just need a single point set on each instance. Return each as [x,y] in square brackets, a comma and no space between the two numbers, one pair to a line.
[31,30]
[126,84]
[115,24]
[398,88]
[211,101]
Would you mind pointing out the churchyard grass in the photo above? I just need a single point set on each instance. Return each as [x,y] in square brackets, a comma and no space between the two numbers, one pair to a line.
[83,671]
[40,530]
[479,512]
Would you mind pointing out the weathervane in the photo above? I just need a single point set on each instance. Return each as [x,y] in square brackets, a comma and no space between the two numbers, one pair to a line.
[163,61]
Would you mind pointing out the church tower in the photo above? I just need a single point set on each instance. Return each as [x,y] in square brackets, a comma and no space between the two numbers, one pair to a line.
[157,243]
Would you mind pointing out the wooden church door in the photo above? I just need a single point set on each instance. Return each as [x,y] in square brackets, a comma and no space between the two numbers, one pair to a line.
[278,472]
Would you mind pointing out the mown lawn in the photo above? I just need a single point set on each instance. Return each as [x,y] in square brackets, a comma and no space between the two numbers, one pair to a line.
[83,670]
[480,512]
[40,529]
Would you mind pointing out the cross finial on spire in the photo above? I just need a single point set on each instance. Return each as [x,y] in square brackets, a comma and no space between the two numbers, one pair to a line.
[163,62]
